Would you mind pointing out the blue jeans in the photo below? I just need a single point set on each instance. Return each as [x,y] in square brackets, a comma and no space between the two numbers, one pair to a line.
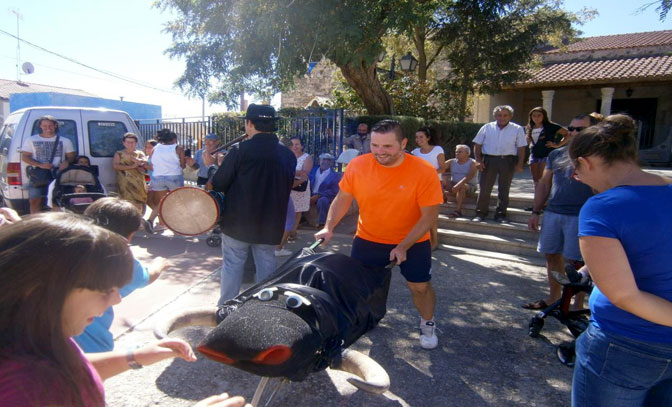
[323,204]
[234,253]
[616,371]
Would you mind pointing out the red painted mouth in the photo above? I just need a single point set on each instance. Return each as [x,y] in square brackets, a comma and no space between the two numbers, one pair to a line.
[275,355]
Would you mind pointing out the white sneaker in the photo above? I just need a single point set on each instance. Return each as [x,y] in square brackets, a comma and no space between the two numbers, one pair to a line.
[282,252]
[428,338]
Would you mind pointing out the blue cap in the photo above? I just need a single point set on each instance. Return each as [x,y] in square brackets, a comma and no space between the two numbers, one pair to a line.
[211,136]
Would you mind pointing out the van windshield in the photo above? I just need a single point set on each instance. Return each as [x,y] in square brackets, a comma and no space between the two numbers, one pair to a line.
[105,137]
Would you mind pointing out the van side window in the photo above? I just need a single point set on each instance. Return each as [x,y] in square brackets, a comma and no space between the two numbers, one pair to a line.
[6,137]
[66,128]
[105,137]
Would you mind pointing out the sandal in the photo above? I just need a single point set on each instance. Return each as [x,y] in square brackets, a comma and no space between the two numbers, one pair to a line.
[455,214]
[541,304]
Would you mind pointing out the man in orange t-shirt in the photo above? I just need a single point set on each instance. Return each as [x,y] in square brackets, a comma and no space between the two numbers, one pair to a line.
[398,197]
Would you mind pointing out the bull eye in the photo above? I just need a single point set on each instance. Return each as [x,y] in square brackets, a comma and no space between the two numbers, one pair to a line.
[266,294]
[293,301]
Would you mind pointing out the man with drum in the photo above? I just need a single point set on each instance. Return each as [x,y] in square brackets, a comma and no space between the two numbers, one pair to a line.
[256,178]
[399,197]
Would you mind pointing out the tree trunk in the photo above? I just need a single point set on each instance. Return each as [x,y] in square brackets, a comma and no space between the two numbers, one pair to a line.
[363,79]
[419,37]
[462,107]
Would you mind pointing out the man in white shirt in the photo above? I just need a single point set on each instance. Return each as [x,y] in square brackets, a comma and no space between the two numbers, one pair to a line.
[499,148]
[324,187]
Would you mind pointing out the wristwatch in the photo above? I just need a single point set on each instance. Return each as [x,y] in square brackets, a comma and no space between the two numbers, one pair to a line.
[130,359]
[536,212]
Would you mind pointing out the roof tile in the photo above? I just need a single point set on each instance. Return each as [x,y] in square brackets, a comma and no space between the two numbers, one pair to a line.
[619,41]
[645,68]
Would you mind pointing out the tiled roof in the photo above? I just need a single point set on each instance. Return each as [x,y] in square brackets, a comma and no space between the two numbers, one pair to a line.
[8,86]
[630,69]
[632,40]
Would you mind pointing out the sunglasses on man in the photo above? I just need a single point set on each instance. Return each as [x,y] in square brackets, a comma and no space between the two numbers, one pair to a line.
[577,129]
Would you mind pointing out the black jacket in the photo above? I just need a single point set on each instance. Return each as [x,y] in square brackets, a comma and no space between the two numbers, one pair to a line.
[256,178]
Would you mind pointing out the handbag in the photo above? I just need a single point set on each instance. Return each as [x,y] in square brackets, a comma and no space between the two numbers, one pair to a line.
[301,187]
[40,177]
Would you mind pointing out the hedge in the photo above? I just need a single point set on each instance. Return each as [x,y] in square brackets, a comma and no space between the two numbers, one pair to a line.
[450,134]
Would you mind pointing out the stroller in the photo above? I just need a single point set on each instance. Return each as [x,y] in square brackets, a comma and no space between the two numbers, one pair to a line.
[575,320]
[66,181]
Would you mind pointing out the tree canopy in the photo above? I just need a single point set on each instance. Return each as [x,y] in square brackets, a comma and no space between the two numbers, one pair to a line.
[260,46]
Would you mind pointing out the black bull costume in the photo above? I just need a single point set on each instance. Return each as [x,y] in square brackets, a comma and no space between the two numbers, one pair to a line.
[299,321]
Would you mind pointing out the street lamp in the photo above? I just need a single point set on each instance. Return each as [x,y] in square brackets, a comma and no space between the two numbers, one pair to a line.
[408,63]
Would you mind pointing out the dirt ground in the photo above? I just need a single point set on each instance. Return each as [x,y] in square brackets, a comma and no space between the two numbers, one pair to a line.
[484,357]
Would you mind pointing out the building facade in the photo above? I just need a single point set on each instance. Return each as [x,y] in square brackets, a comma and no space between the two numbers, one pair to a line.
[626,73]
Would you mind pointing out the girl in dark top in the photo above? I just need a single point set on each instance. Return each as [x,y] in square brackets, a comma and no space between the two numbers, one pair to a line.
[542,137]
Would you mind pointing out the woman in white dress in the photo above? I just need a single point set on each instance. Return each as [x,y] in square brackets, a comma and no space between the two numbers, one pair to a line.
[300,199]
[429,150]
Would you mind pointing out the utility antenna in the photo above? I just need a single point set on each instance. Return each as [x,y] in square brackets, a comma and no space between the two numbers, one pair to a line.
[19,16]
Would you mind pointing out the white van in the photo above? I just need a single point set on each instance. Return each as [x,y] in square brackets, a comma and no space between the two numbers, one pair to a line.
[95,133]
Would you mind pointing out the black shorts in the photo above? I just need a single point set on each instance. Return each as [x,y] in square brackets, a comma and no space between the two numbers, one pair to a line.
[416,269]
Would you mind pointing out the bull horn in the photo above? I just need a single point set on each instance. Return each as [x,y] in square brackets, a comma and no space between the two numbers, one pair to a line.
[372,378]
[201,316]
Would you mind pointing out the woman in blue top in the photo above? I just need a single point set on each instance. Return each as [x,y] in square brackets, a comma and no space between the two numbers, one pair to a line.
[624,358]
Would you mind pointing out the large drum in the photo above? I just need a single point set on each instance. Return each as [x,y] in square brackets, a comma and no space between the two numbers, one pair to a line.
[190,211]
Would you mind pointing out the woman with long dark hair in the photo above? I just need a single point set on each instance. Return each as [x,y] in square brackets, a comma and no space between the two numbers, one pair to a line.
[60,271]
[542,137]
[624,357]
[430,150]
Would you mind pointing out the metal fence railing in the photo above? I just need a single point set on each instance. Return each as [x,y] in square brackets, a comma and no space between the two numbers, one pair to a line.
[320,130]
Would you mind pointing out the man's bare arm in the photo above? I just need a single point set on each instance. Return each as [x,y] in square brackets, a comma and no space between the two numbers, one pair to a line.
[339,207]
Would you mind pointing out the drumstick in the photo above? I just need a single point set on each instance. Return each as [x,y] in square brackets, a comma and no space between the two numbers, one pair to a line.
[220,148]
[229,144]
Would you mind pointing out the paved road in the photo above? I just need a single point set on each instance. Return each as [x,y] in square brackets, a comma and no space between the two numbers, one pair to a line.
[484,358]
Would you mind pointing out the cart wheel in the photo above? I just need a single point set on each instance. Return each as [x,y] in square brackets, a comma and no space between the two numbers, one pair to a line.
[214,241]
[566,353]
[535,326]
[575,330]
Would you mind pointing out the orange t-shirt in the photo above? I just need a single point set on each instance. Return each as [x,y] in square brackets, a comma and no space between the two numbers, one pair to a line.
[389,199]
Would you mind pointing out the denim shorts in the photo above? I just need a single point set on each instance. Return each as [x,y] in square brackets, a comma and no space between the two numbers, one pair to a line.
[165,182]
[560,235]
[416,269]
[37,192]
[535,160]
[616,371]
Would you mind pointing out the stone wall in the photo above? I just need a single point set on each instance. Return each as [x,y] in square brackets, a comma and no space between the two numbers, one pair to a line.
[319,83]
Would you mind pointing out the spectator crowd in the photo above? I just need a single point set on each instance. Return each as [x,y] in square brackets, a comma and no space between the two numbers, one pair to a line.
[601,213]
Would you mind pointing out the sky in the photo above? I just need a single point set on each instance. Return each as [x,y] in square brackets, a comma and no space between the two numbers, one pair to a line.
[126,37]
